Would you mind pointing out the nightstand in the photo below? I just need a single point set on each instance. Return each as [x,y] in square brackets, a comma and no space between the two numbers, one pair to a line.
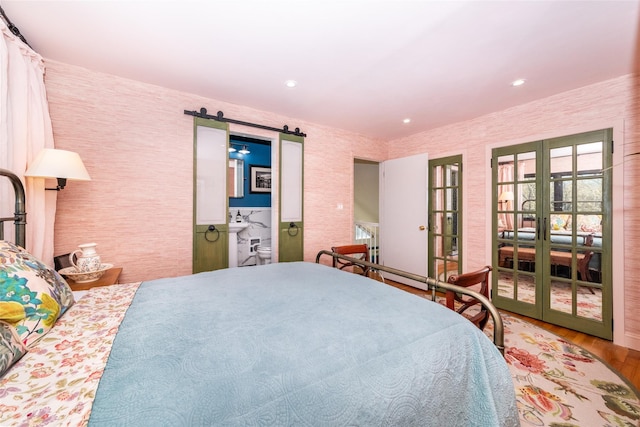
[109,278]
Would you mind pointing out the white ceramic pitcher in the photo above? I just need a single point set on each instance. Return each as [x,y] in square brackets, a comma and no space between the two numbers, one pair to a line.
[86,258]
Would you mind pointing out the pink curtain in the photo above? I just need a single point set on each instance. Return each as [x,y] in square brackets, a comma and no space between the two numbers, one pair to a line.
[505,174]
[25,129]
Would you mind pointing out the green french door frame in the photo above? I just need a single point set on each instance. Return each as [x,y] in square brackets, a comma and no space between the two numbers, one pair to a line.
[552,228]
[516,278]
[291,199]
[445,217]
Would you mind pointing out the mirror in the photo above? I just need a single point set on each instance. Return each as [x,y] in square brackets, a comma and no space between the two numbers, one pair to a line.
[235,178]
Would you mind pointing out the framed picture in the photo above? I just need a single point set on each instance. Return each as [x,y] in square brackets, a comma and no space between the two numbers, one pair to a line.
[260,179]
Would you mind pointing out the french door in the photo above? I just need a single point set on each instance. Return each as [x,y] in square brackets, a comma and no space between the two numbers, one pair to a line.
[445,217]
[552,228]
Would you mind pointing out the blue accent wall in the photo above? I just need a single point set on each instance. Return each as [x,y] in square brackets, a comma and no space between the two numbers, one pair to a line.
[260,155]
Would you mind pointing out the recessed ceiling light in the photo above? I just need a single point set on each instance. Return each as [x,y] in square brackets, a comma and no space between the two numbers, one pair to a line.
[291,83]
[406,121]
[518,82]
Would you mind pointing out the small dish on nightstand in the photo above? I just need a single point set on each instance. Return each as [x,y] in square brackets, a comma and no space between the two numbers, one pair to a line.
[85,277]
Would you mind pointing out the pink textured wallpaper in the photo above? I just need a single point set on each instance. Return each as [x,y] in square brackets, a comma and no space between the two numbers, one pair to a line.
[138,147]
[612,103]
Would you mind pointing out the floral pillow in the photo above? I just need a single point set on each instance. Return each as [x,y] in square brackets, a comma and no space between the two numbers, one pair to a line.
[11,348]
[560,222]
[32,296]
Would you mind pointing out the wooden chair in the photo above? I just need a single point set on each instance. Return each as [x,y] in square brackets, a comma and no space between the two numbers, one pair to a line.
[360,251]
[480,277]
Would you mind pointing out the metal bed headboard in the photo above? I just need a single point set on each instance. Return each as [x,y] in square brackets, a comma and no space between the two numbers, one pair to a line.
[19,218]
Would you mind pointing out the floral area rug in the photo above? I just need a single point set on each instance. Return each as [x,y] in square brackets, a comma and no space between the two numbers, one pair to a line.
[560,384]
[588,302]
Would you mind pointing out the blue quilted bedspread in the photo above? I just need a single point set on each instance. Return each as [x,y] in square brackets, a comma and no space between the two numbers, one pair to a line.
[298,344]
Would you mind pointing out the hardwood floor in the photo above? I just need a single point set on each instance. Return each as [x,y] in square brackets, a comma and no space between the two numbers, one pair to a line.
[624,360]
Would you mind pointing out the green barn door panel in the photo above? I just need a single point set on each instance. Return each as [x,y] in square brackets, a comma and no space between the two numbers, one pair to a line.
[211,248]
[290,236]
[210,237]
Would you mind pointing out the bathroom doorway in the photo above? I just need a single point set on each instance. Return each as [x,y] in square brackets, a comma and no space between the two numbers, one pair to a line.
[250,196]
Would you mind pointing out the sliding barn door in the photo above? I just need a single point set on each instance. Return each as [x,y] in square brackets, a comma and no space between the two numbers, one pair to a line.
[290,238]
[210,229]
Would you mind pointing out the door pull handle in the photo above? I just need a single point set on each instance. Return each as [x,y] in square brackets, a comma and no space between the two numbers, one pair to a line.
[293,229]
[211,229]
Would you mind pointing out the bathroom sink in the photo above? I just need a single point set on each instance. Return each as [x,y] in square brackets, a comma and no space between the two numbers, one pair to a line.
[234,227]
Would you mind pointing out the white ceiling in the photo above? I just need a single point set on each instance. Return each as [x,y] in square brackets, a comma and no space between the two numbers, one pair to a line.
[361,65]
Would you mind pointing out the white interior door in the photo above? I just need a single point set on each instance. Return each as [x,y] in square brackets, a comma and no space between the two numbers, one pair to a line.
[403,216]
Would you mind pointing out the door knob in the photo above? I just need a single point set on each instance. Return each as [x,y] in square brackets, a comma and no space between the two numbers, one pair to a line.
[422,228]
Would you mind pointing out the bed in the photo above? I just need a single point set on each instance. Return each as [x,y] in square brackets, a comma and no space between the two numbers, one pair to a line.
[281,344]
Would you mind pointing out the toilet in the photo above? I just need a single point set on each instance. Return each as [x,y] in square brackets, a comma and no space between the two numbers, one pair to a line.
[263,255]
